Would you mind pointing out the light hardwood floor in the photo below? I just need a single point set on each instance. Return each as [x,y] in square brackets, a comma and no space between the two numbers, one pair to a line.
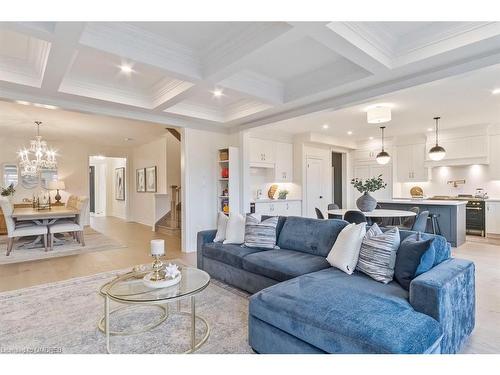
[135,236]
[485,253]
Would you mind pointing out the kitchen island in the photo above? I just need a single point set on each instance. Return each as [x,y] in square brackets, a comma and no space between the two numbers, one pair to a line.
[450,215]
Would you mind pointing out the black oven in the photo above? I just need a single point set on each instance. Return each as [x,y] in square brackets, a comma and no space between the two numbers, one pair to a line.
[475,217]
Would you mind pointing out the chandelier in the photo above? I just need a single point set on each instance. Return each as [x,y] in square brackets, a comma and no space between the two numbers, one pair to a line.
[38,157]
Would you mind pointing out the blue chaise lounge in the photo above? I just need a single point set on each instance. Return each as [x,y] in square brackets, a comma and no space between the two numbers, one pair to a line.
[300,304]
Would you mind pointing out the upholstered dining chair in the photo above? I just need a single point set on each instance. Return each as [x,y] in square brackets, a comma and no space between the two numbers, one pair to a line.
[14,230]
[356,217]
[420,222]
[332,206]
[76,227]
[71,202]
[319,214]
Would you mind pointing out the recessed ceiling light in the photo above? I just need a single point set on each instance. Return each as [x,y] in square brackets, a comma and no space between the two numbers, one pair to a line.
[371,138]
[349,132]
[23,102]
[125,68]
[325,126]
[46,106]
[127,139]
[496,92]
[217,93]
[429,129]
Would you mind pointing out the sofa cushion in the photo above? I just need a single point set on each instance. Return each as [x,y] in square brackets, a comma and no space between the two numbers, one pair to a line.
[410,257]
[441,247]
[341,313]
[260,233]
[281,222]
[311,236]
[229,254]
[283,264]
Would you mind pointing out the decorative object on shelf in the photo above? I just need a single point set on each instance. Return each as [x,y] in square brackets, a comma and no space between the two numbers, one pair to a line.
[140,180]
[57,185]
[225,206]
[366,202]
[282,194]
[437,152]
[383,156]
[378,115]
[417,192]
[224,172]
[272,191]
[151,179]
[223,155]
[120,184]
[38,157]
[225,192]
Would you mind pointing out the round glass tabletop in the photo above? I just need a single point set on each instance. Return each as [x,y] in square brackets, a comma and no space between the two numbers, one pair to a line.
[130,288]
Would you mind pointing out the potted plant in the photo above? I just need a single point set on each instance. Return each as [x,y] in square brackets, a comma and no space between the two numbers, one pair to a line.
[366,202]
[8,192]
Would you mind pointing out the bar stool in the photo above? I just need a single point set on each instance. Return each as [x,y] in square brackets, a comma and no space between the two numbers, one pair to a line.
[434,223]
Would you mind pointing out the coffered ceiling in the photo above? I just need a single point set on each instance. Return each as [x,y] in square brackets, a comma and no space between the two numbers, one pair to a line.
[167,72]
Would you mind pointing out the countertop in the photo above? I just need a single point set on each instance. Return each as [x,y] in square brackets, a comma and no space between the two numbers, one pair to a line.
[275,200]
[492,200]
[430,202]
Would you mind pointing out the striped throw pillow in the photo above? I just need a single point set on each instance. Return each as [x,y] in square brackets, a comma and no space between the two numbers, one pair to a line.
[260,234]
[377,256]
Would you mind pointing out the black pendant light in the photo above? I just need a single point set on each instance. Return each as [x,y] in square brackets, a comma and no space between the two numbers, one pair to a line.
[437,152]
[383,156]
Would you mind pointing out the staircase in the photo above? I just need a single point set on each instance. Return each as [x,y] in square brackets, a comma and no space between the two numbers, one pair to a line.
[170,224]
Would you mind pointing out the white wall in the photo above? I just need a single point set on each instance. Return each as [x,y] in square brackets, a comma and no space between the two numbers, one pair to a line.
[148,155]
[199,157]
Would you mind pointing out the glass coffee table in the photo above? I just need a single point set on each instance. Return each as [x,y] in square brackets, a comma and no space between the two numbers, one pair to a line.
[128,289]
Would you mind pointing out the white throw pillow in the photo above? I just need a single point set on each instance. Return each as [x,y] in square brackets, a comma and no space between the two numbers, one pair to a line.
[345,251]
[235,230]
[222,220]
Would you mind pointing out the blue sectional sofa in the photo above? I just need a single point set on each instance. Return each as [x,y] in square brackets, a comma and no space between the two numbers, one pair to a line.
[302,305]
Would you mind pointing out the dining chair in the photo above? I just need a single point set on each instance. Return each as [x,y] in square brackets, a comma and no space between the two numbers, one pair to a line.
[356,217]
[76,227]
[16,231]
[408,222]
[71,202]
[420,222]
[319,214]
[332,206]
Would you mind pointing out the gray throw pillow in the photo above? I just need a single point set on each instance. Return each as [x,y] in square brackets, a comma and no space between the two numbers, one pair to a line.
[260,234]
[377,256]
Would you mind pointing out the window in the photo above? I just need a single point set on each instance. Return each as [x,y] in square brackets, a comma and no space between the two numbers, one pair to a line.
[10,174]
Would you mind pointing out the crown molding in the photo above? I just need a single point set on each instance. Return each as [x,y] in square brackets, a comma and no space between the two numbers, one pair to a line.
[167,89]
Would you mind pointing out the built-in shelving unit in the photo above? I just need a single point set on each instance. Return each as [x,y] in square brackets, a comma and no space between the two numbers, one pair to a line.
[228,184]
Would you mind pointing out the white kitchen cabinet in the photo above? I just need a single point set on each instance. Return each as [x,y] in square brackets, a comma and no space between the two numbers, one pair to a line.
[493,218]
[262,152]
[494,157]
[410,163]
[461,151]
[279,208]
[284,162]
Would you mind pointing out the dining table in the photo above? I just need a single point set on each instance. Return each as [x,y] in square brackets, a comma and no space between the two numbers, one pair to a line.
[43,217]
[376,213]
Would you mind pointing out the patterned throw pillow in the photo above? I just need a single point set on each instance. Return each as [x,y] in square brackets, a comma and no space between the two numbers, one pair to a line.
[260,234]
[377,256]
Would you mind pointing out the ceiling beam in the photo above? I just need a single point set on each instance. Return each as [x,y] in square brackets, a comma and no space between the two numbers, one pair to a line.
[61,55]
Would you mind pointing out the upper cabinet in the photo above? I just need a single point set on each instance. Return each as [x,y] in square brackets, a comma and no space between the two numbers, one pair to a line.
[410,163]
[466,150]
[262,152]
[284,162]
[495,157]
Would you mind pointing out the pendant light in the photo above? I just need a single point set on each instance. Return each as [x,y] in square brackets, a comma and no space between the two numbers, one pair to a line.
[383,156]
[437,152]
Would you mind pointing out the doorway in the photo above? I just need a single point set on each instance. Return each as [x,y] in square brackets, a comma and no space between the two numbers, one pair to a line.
[106,197]
[314,194]
[337,178]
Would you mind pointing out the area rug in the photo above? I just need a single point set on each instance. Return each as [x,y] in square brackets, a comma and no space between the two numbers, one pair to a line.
[62,317]
[94,241]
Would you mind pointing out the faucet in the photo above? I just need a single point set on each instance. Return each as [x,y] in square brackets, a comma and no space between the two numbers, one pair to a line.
[456,182]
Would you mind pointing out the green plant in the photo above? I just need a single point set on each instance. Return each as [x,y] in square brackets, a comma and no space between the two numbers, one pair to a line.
[8,190]
[282,194]
[369,185]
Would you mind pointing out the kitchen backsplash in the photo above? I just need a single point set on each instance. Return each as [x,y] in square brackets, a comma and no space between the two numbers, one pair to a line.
[475,176]
[261,178]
